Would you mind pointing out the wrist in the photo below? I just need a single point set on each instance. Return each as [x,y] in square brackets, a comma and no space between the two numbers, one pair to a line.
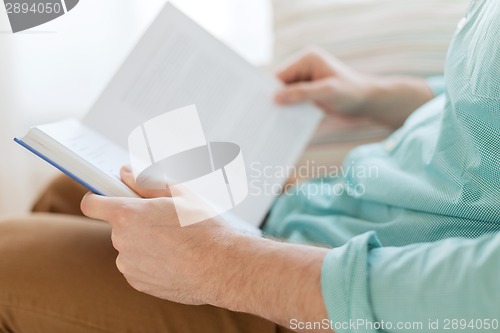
[274,280]
[377,88]
[391,99]
[372,87]
[384,89]
[221,267]
[230,270]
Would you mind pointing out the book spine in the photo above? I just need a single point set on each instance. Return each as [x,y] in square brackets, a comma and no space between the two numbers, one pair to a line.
[58,166]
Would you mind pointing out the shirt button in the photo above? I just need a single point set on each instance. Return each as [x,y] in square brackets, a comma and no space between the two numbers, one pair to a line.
[389,145]
[462,22]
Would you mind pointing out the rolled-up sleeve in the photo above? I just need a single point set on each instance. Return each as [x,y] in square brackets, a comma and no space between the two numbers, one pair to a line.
[416,288]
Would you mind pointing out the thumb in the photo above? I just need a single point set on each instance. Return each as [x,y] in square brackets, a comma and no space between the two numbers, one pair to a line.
[128,178]
[301,92]
[102,208]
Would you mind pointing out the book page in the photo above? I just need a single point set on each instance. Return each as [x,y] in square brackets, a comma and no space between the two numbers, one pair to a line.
[88,145]
[177,63]
[86,153]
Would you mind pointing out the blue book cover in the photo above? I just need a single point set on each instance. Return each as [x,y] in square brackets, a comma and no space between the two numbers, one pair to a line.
[51,162]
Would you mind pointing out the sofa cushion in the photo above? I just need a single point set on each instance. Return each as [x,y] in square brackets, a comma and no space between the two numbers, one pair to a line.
[378,36]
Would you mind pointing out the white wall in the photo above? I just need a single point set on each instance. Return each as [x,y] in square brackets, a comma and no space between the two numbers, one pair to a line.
[57,70]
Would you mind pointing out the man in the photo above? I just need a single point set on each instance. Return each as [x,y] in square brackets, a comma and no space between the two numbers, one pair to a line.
[418,251]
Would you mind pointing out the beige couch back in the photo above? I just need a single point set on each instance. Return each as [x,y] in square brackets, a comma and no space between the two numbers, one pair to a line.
[378,36]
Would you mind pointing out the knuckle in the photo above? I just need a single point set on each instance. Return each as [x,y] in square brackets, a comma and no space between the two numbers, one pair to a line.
[132,283]
[116,240]
[120,264]
[297,94]
[123,213]
[141,287]
[163,204]
[326,88]
[84,205]
[119,217]
[165,207]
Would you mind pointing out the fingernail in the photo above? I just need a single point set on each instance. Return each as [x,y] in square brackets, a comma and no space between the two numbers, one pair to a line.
[126,169]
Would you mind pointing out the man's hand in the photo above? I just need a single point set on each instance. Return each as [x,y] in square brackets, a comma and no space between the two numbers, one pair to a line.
[208,262]
[318,77]
[158,256]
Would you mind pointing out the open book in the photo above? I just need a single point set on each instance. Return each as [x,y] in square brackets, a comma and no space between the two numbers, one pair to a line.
[177,63]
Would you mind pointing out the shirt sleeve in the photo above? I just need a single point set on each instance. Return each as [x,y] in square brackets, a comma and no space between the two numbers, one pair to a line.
[417,288]
[437,84]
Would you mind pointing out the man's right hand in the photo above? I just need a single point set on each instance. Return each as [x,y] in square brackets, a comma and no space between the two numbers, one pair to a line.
[318,77]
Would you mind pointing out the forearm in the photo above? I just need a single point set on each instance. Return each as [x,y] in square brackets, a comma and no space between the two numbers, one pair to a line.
[392,99]
[274,280]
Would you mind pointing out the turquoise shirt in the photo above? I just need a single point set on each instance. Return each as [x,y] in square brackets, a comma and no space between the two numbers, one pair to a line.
[414,223]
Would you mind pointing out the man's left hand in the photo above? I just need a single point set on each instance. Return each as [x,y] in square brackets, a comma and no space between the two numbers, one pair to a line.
[156,255]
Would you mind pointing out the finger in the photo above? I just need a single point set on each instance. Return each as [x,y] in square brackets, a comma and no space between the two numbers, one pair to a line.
[128,178]
[295,70]
[301,92]
[100,207]
[307,65]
